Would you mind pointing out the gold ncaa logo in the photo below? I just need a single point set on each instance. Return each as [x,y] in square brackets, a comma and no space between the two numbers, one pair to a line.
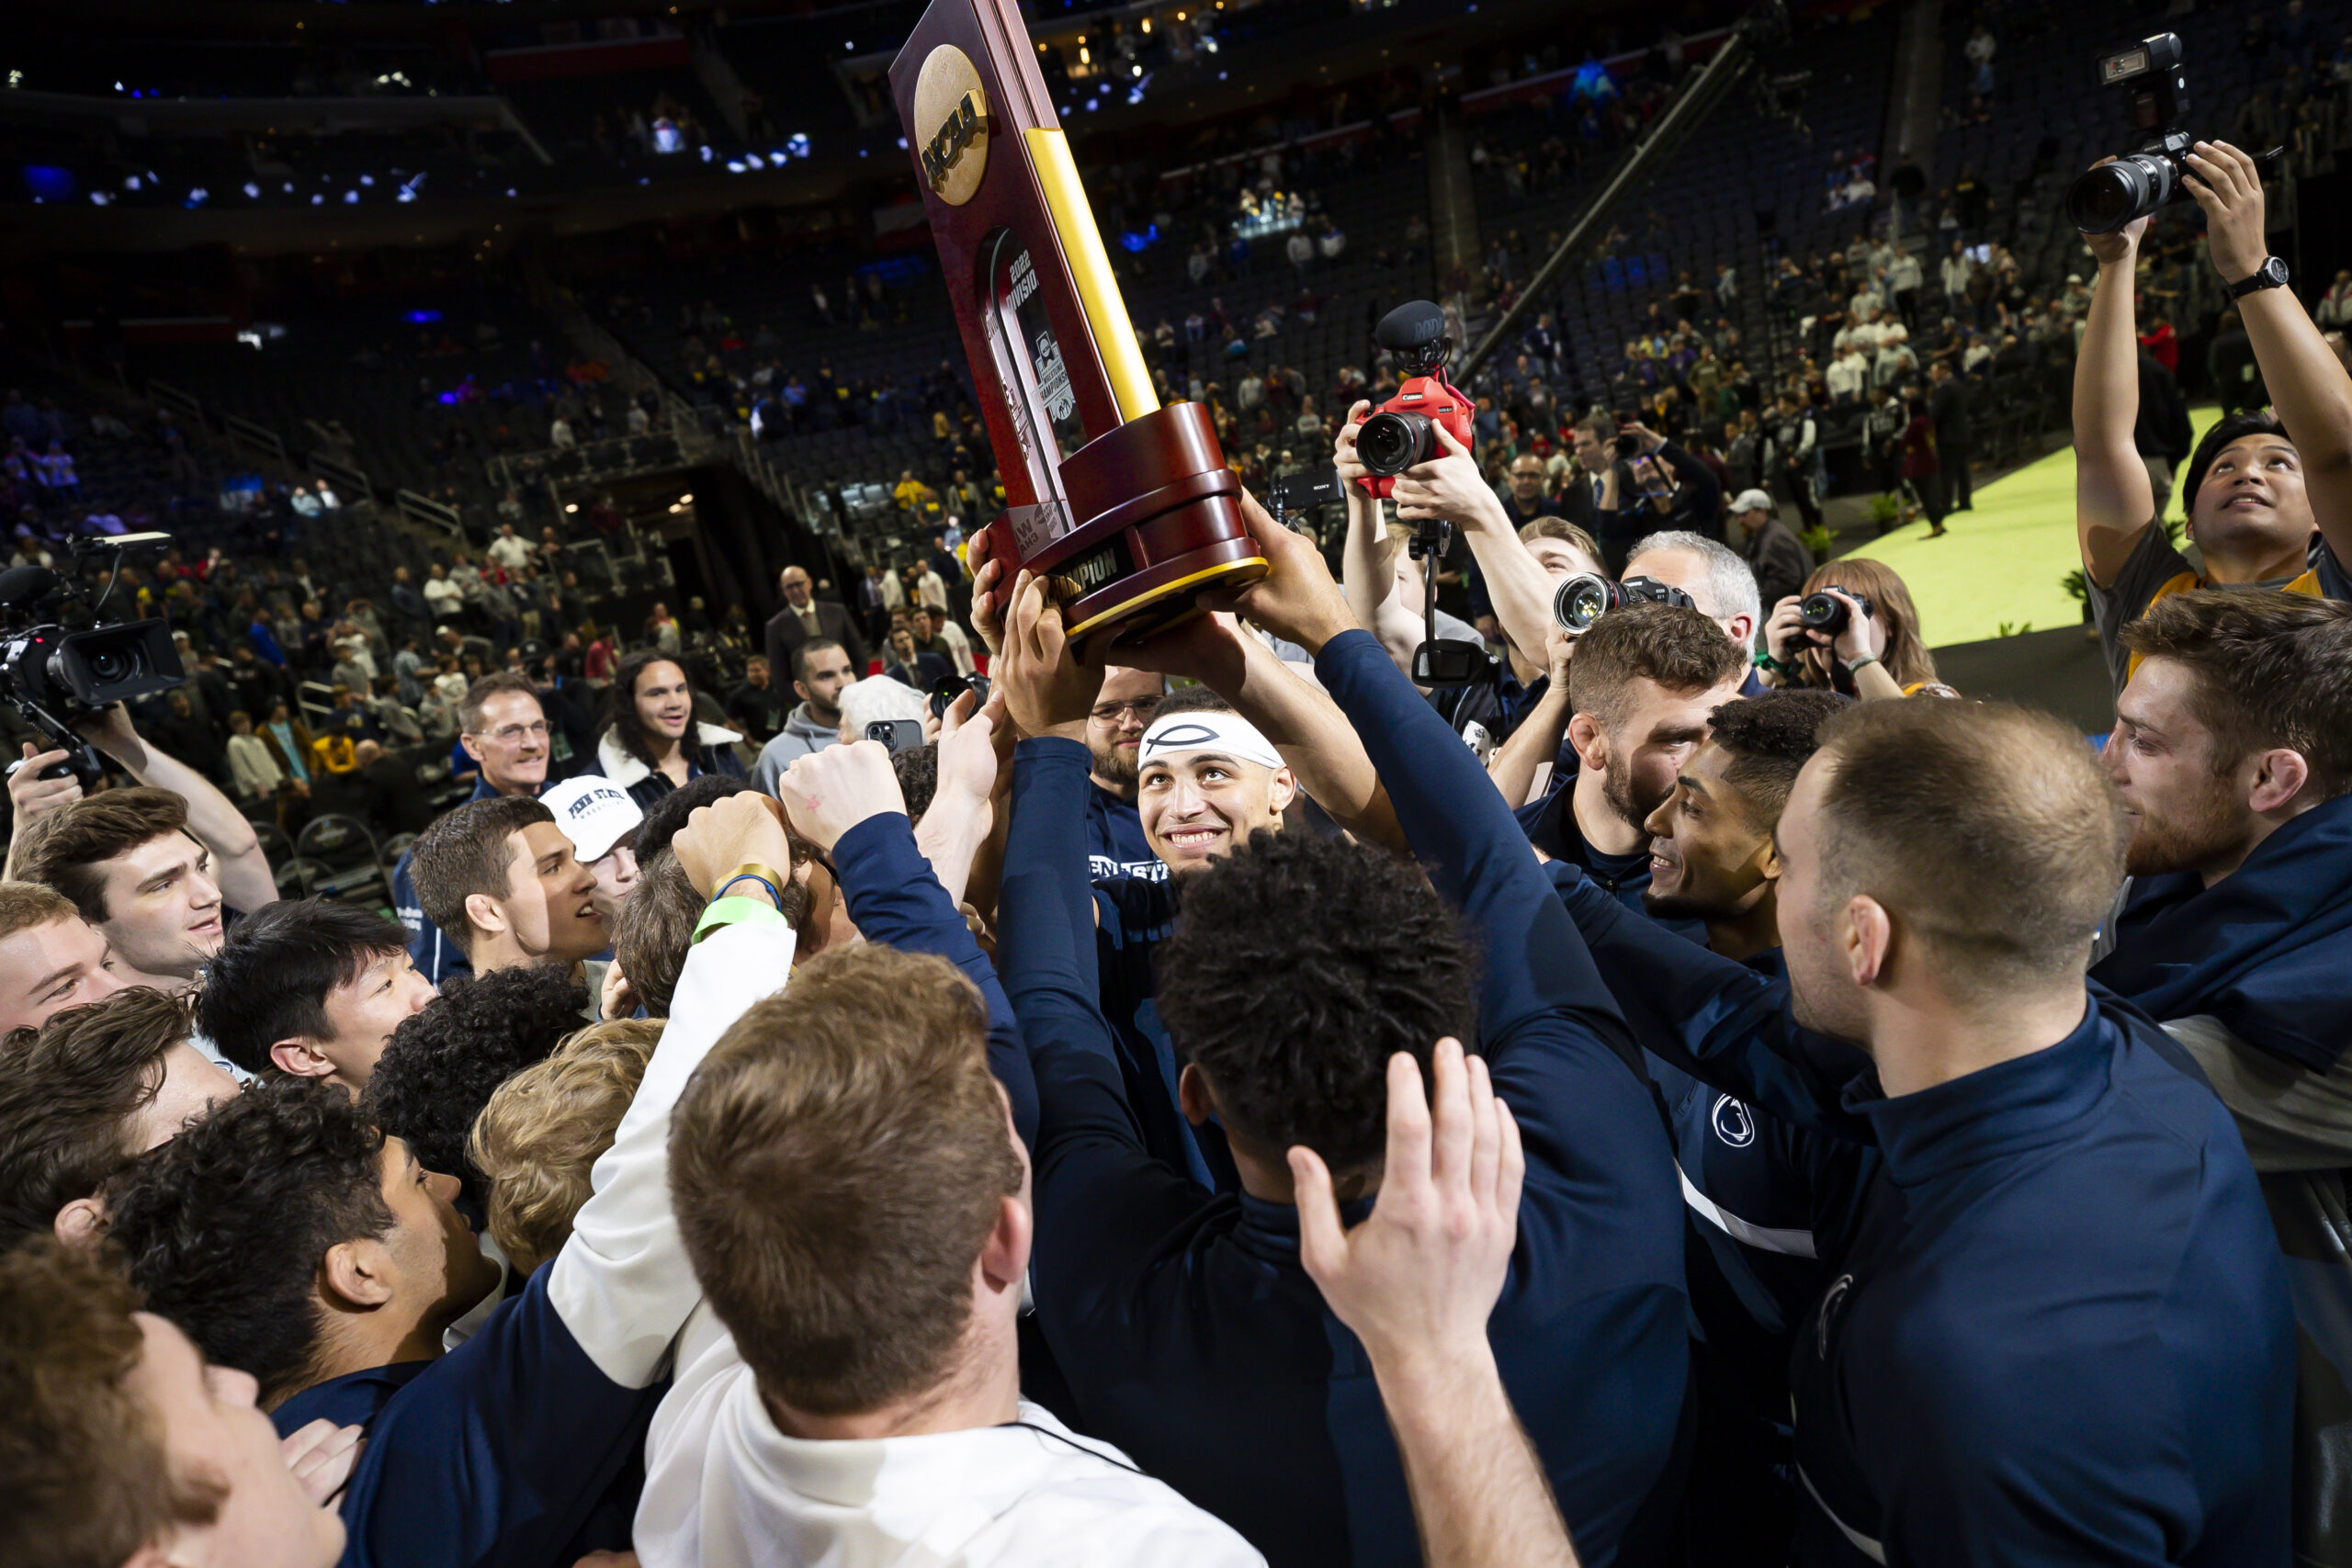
[949,97]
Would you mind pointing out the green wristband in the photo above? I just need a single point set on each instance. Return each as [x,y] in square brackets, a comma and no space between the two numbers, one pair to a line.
[1766,662]
[738,909]
[1860,660]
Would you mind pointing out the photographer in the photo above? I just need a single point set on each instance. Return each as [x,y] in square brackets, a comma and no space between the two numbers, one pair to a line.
[2268,498]
[1653,487]
[1877,653]
[1450,488]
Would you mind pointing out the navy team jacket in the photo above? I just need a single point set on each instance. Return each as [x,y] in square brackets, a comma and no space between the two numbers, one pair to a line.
[2058,1331]
[1188,1331]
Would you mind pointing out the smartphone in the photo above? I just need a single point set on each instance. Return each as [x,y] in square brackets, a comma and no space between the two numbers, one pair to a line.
[898,734]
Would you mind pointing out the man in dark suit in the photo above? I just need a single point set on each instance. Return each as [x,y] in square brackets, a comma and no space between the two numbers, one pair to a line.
[1949,403]
[911,666]
[805,615]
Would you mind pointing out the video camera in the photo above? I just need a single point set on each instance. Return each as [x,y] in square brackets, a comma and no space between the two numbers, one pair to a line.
[2149,176]
[58,671]
[1402,430]
[1584,599]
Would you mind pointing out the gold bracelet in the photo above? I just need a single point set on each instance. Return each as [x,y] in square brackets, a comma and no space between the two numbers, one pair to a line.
[764,875]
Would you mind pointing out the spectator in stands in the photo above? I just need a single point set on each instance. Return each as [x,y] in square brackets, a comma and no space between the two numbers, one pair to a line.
[394,800]
[803,616]
[758,705]
[252,764]
[820,676]
[310,987]
[1779,559]
[500,876]
[651,742]
[911,666]
[444,601]
[2265,508]
[509,549]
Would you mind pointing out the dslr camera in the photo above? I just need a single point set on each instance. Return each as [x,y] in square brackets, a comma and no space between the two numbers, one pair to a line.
[1581,600]
[2149,176]
[1826,614]
[61,660]
[1402,430]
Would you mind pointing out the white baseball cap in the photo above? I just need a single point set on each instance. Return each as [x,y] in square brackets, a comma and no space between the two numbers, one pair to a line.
[1751,501]
[594,814]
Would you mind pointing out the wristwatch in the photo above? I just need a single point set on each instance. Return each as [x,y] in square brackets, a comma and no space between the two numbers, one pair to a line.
[2271,274]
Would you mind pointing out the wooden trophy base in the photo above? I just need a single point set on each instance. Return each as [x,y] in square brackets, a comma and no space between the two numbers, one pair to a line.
[1159,519]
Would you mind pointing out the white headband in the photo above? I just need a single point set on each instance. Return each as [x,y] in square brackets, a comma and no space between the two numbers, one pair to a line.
[1228,733]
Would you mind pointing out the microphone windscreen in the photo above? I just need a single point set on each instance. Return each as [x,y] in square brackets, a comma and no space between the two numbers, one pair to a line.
[25,584]
[1414,324]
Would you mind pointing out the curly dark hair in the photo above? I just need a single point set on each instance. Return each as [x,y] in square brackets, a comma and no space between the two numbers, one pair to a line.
[1769,738]
[224,1228]
[445,1060]
[1298,968]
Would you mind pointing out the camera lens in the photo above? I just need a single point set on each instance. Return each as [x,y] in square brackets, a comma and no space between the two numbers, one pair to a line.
[1821,612]
[109,664]
[2104,199]
[1391,442]
[1582,600]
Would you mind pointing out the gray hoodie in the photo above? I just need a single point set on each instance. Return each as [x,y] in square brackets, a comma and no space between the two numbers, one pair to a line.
[800,736]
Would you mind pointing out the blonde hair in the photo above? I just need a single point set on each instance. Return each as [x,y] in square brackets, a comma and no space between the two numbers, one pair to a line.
[544,1129]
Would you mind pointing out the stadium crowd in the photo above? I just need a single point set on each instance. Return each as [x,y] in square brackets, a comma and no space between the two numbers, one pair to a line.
[1177,1102]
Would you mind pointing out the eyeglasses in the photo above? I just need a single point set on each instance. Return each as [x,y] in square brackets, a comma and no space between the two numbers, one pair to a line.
[516,734]
[1142,707]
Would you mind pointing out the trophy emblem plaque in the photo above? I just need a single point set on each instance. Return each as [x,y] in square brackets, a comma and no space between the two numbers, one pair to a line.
[1124,507]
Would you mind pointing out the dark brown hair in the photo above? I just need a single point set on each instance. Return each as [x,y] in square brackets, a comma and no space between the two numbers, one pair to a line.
[67,1091]
[655,929]
[464,852]
[2271,669]
[1673,645]
[837,1164]
[64,848]
[84,1477]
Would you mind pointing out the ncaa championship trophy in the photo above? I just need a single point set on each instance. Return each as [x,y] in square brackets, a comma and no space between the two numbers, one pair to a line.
[1127,509]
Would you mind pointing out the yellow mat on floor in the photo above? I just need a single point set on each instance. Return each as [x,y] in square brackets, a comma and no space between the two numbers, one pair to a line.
[2000,567]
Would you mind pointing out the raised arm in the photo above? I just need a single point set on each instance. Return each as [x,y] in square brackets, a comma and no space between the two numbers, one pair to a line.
[533,1418]
[1099,1188]
[845,800]
[2113,502]
[1537,739]
[1368,558]
[1416,1282]
[1451,487]
[2307,386]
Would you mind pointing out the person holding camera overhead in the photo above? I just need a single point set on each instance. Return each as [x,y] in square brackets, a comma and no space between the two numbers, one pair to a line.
[2268,493]
[1653,487]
